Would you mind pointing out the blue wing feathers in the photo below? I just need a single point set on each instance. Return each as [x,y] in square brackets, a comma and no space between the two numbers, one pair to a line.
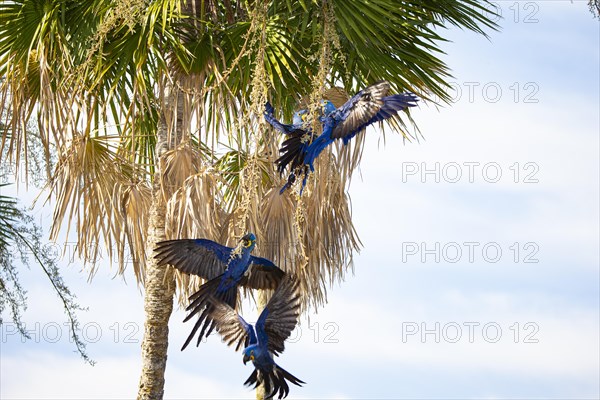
[274,122]
[266,264]
[391,105]
[269,109]
[342,113]
[260,326]
[222,252]
[249,330]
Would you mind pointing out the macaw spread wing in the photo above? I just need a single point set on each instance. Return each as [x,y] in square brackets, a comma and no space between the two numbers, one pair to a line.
[201,257]
[279,318]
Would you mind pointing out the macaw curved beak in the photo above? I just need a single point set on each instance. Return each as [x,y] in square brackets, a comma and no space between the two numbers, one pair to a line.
[246,358]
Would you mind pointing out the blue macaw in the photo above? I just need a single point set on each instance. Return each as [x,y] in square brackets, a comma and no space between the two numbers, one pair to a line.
[368,106]
[294,148]
[223,267]
[266,338]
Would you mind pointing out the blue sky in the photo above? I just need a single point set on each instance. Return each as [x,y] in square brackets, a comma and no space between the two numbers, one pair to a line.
[522,323]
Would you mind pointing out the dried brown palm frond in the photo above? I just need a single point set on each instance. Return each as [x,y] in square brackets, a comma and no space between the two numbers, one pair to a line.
[16,96]
[178,164]
[194,211]
[399,124]
[193,96]
[132,201]
[279,234]
[326,231]
[349,156]
[89,184]
[337,95]
[29,83]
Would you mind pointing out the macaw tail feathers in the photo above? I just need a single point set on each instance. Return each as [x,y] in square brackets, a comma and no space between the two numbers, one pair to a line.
[293,150]
[274,381]
[253,379]
[200,301]
[293,153]
[283,374]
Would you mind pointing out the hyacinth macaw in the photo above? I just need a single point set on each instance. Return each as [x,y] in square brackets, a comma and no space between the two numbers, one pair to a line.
[292,150]
[224,268]
[266,338]
[368,106]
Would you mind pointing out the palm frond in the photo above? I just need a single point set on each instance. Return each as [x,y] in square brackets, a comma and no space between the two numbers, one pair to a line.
[84,182]
[326,231]
[133,200]
[194,211]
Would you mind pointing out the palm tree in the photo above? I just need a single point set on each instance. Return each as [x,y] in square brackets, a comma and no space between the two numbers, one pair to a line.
[156,105]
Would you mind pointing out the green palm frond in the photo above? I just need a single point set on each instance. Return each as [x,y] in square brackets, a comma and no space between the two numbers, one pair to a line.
[231,166]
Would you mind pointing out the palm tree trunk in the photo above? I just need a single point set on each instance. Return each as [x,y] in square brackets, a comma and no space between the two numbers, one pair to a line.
[158,305]
[260,305]
[159,281]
